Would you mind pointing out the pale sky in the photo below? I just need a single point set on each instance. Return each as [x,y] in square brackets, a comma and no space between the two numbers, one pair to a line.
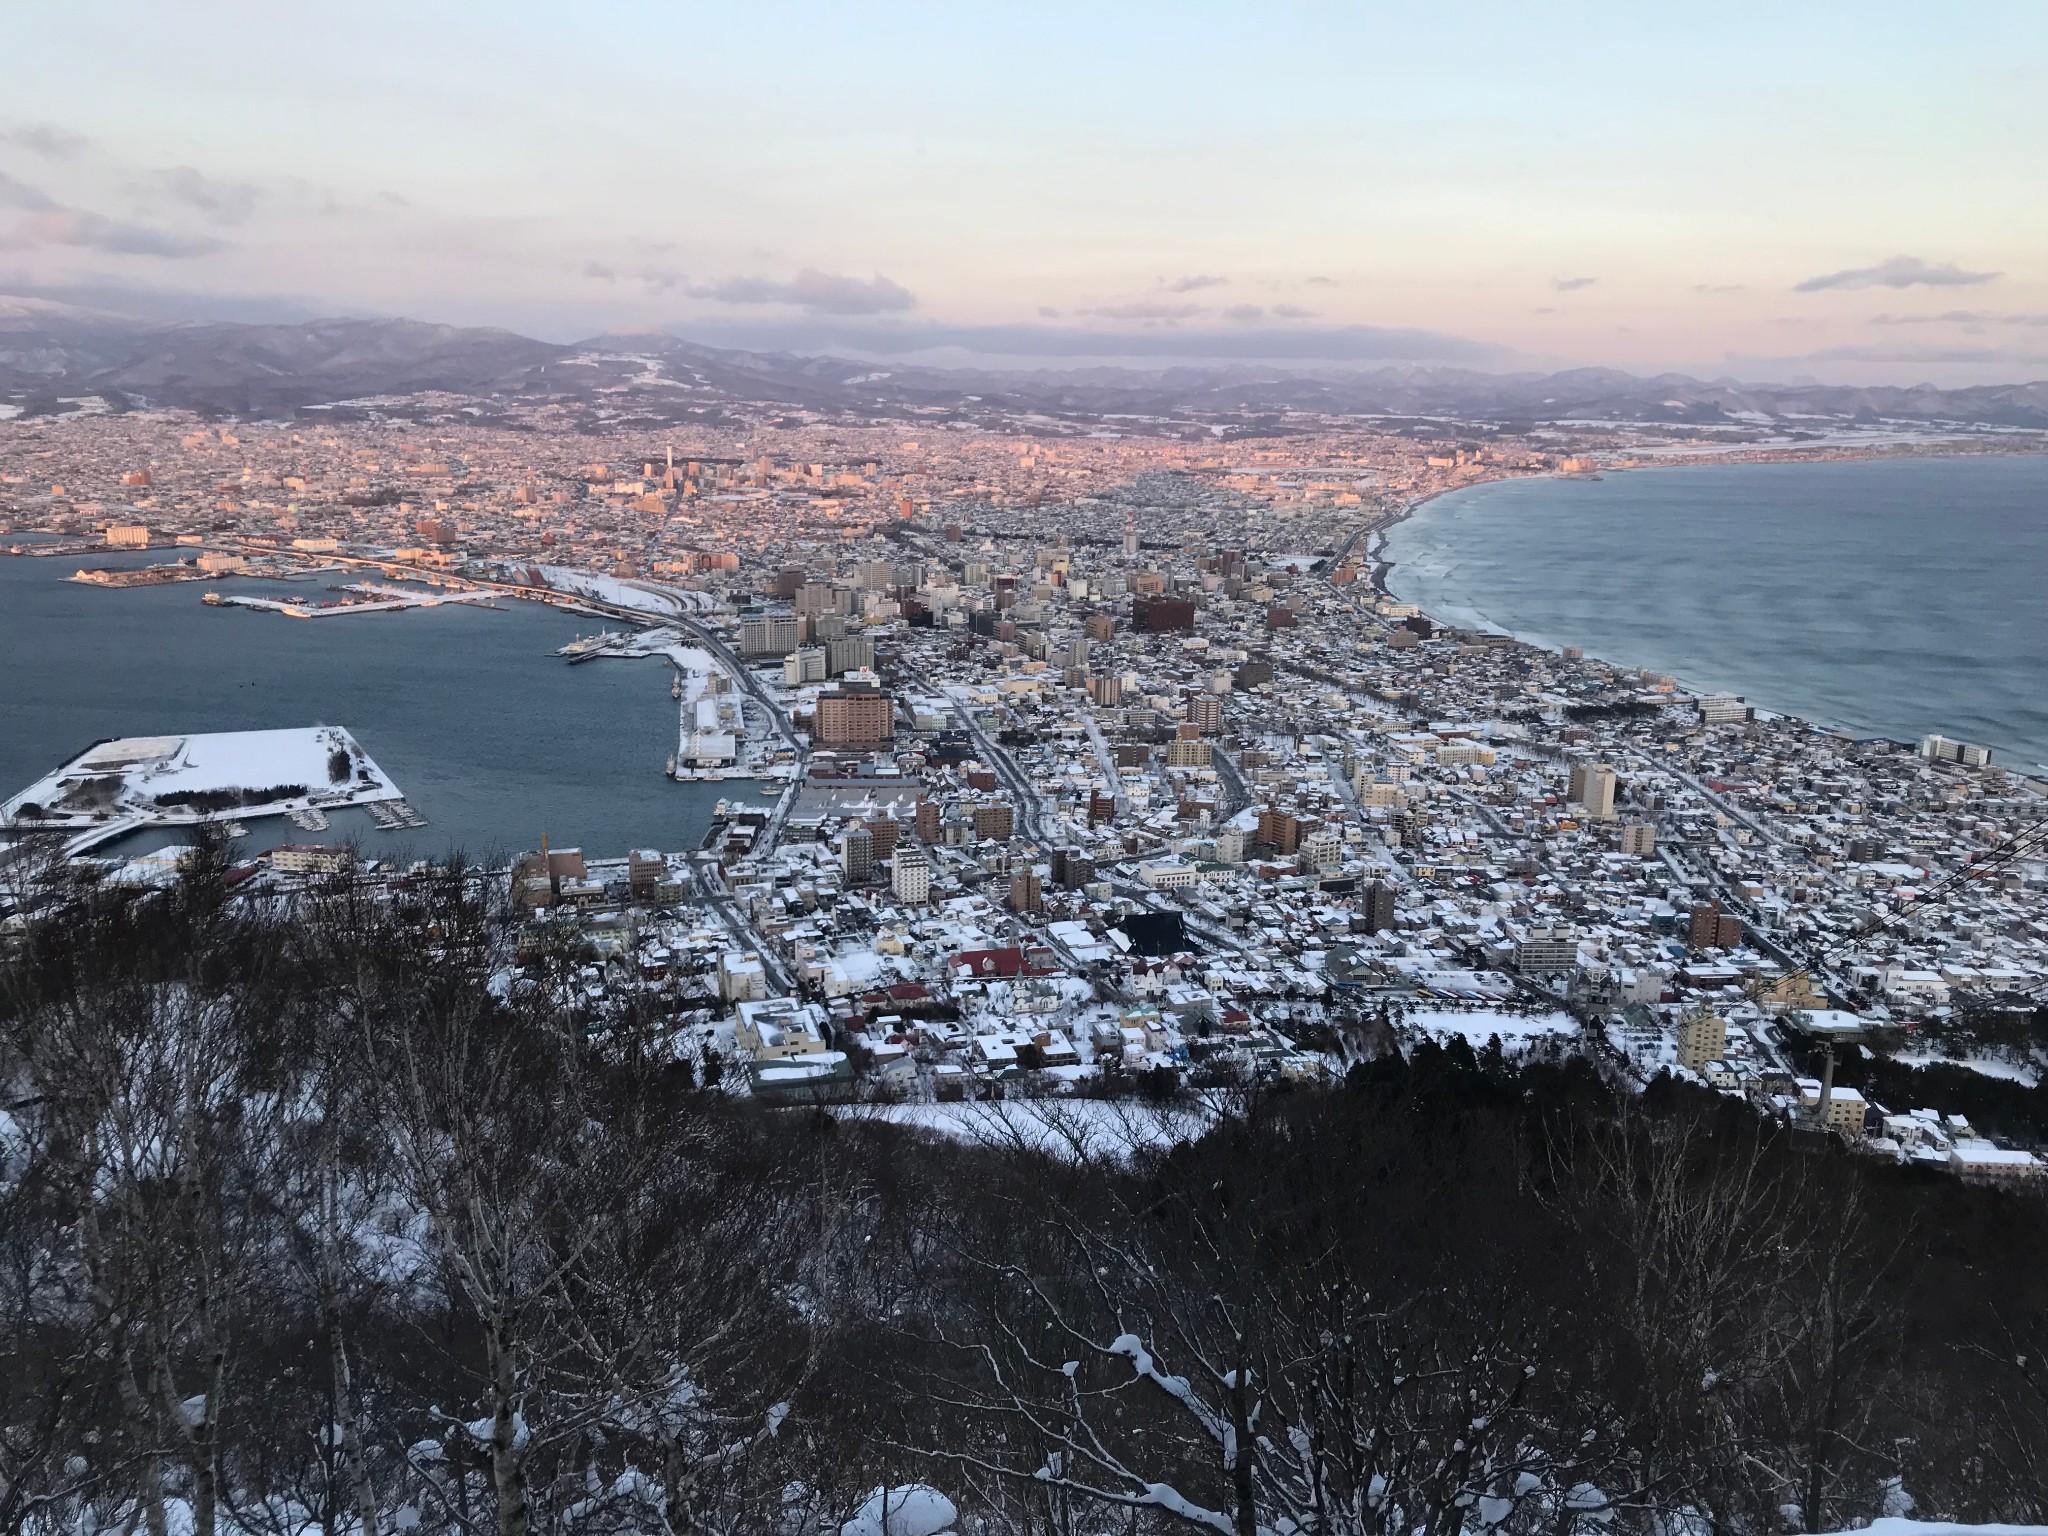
[1853,192]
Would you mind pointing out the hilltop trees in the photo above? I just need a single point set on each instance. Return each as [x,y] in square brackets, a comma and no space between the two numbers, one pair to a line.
[328,1217]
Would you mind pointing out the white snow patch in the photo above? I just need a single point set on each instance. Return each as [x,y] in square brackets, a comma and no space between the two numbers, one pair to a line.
[1077,1130]
[912,1510]
[1479,1025]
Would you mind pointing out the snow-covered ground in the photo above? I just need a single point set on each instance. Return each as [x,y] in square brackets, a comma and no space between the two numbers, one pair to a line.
[122,784]
[650,598]
[1075,1129]
[1988,1066]
[1479,1025]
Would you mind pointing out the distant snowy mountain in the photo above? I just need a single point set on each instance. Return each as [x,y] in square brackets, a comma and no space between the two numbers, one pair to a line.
[50,352]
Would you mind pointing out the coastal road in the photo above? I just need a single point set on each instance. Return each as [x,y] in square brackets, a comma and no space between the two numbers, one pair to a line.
[744,676]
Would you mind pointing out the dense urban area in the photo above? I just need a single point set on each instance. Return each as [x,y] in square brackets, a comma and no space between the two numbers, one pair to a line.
[1088,799]
[1065,760]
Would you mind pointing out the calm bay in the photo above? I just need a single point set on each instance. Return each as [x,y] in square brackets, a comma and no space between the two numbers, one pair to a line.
[1891,597]
[493,739]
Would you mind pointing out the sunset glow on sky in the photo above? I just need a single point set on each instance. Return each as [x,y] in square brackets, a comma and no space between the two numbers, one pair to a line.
[1847,192]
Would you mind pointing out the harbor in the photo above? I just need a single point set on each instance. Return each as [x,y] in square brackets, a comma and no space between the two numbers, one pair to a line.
[359,597]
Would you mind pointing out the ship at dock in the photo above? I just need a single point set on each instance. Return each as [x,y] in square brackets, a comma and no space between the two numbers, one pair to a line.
[589,647]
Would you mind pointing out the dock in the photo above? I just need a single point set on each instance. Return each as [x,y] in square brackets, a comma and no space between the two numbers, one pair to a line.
[367,598]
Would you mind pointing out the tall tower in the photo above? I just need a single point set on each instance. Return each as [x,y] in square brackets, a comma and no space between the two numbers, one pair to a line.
[1130,533]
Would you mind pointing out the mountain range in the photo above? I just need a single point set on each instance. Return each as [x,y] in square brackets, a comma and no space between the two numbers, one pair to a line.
[54,356]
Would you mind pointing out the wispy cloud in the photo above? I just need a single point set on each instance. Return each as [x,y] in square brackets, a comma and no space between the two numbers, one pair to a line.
[1896,272]
[1146,310]
[652,278]
[1241,313]
[1572,284]
[1334,344]
[1293,312]
[113,237]
[1959,317]
[1928,355]
[214,199]
[814,292]
[15,193]
[1911,356]
[45,139]
[120,296]
[1194,283]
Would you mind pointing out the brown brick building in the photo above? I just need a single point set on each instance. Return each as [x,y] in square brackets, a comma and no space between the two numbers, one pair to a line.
[855,715]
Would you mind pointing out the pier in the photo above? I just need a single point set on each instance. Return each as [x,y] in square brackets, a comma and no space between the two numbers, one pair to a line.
[370,598]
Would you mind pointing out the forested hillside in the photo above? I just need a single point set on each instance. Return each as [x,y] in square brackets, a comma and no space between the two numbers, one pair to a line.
[319,1219]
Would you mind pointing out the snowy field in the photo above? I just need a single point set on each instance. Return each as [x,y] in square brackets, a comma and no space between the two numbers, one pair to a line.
[124,783]
[1077,1130]
[1988,1066]
[657,601]
[1479,1025]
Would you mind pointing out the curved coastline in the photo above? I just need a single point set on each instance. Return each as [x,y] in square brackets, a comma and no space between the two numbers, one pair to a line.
[1763,690]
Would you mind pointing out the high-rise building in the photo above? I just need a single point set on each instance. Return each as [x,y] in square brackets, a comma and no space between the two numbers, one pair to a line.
[1279,830]
[1936,749]
[1190,754]
[1205,712]
[1546,953]
[1321,851]
[994,820]
[1702,1037]
[910,875]
[1592,786]
[1376,906]
[1070,869]
[1105,692]
[857,855]
[1711,928]
[1026,893]
[806,664]
[768,634]
[823,597]
[1161,615]
[644,871]
[850,655]
[929,818]
[1639,839]
[854,714]
[886,831]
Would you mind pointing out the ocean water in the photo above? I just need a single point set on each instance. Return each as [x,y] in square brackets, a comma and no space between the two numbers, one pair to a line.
[1890,596]
[495,741]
